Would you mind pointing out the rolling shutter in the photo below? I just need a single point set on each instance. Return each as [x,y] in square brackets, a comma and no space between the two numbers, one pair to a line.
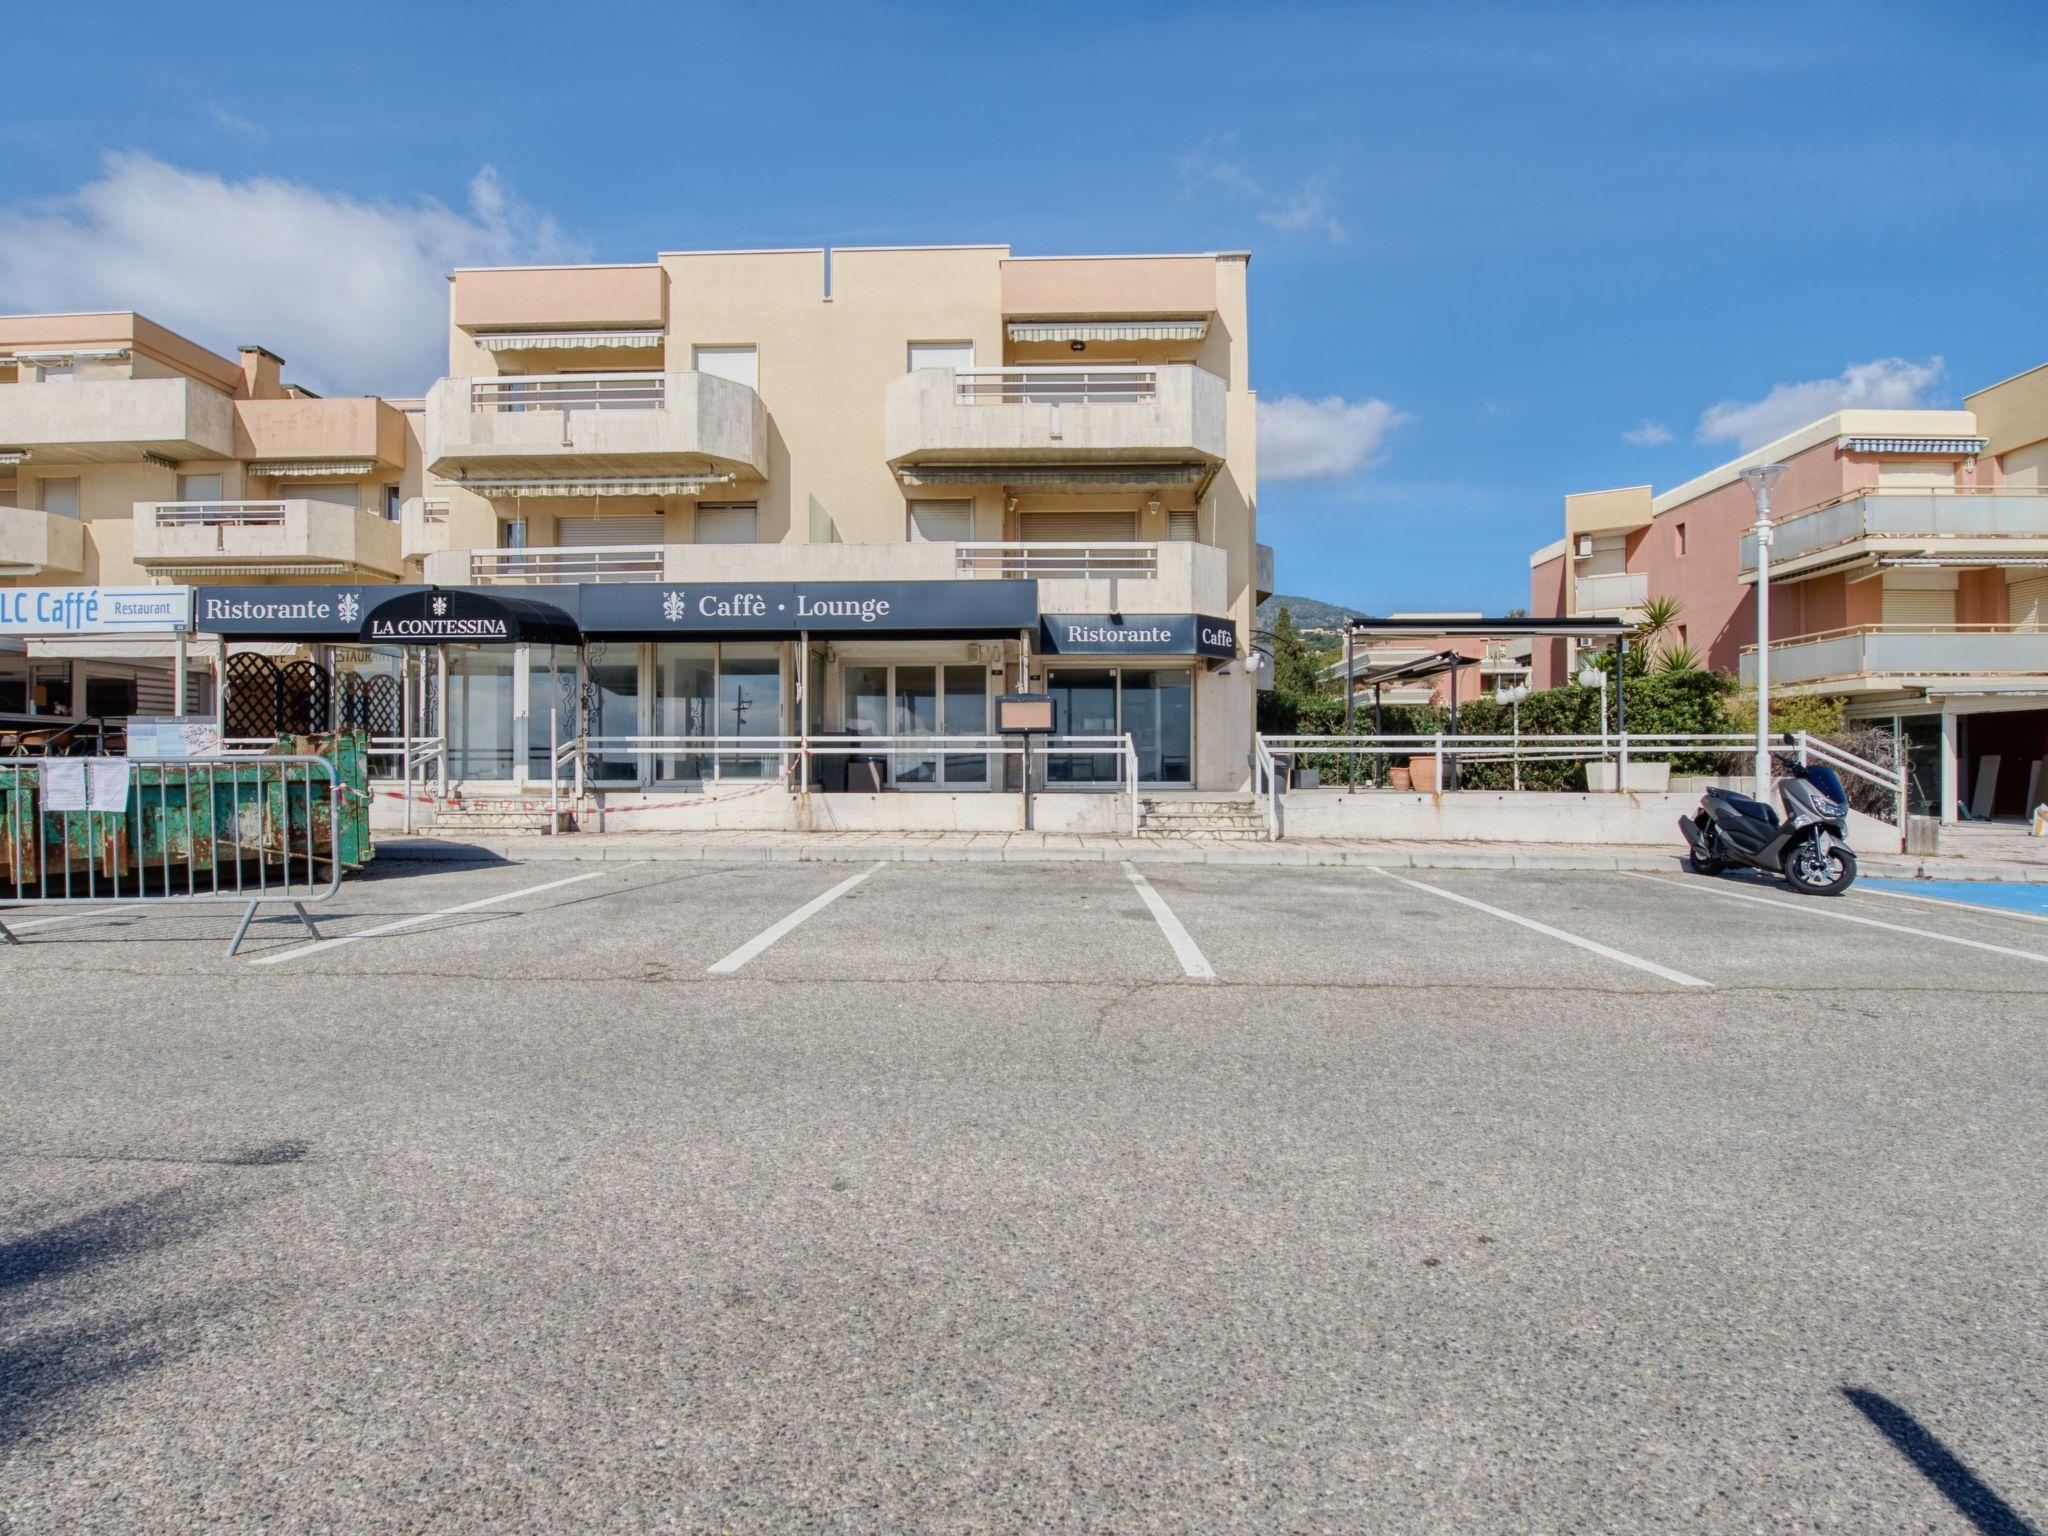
[1078,527]
[1180,527]
[728,523]
[2027,602]
[585,532]
[1917,608]
[936,522]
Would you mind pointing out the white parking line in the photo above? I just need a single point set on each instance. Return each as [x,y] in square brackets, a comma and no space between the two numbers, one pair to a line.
[320,946]
[1185,949]
[1593,945]
[68,917]
[1811,907]
[787,926]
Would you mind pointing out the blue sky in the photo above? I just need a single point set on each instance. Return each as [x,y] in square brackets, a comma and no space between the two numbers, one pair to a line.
[1491,242]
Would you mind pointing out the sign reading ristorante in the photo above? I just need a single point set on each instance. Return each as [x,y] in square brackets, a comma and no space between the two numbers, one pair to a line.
[1137,634]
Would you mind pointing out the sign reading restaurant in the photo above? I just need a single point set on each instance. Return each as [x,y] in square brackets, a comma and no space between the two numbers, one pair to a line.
[93,610]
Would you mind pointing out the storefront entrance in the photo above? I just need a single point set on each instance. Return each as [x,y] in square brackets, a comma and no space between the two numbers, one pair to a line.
[922,699]
[1154,706]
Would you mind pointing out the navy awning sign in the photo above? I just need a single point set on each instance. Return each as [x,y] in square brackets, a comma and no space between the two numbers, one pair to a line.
[465,616]
[285,613]
[652,610]
[1138,634]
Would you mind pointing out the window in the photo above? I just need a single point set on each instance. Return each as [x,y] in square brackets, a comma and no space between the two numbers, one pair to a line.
[941,354]
[394,505]
[726,523]
[1181,527]
[740,364]
[1078,527]
[55,373]
[60,497]
[199,488]
[1678,530]
[330,495]
[110,696]
[934,522]
[514,532]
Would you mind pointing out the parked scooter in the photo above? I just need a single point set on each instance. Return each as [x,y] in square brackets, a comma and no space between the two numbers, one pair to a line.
[1809,846]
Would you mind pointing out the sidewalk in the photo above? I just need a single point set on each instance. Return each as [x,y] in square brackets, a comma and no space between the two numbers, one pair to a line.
[1053,847]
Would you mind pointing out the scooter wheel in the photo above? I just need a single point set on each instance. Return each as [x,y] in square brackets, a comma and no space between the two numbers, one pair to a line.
[1817,872]
[1702,866]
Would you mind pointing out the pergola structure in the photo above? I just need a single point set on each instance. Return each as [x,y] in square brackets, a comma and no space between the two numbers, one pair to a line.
[1438,663]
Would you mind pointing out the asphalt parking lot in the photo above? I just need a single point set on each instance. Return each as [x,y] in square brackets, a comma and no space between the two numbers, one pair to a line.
[988,1197]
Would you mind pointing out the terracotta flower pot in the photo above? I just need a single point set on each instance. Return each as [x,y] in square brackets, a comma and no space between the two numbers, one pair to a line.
[1422,774]
[1398,777]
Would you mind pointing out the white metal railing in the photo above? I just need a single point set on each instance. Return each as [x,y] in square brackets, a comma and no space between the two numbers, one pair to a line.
[1055,384]
[1274,753]
[216,514]
[569,392]
[1055,560]
[551,563]
[433,509]
[792,755]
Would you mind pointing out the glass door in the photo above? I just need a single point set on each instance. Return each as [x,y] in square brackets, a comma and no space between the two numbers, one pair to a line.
[611,703]
[965,712]
[922,699]
[479,713]
[1158,715]
[1083,704]
[916,713]
[685,704]
[750,704]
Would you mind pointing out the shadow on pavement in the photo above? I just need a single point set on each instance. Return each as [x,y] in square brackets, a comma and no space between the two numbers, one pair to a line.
[1940,1466]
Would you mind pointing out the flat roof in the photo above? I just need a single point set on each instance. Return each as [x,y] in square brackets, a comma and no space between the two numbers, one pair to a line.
[1496,629]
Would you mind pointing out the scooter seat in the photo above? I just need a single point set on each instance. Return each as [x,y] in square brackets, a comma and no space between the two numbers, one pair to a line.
[1744,805]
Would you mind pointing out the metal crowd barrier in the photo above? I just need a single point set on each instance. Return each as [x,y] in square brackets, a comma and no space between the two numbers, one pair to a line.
[229,829]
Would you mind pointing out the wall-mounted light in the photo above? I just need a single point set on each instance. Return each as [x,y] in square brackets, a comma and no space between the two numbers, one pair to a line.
[1077,346]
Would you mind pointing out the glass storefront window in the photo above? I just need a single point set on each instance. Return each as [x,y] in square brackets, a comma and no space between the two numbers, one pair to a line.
[1922,741]
[612,702]
[1154,707]
[550,685]
[750,704]
[920,699]
[480,741]
[1083,704]
[916,714]
[966,714]
[685,694]
[1158,715]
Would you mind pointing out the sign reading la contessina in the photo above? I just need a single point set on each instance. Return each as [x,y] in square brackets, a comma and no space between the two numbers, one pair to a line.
[93,610]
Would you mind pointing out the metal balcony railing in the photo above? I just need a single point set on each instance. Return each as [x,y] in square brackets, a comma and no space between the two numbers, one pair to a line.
[434,509]
[1055,385]
[608,562]
[569,392]
[217,514]
[1057,560]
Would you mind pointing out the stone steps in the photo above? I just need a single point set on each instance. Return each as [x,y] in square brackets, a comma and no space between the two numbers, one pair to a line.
[1236,819]
[501,816]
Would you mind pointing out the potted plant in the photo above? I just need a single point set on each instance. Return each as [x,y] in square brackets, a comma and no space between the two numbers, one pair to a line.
[1398,777]
[1422,774]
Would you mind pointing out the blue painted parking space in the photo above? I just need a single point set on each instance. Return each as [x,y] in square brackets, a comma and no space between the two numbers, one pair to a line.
[2002,895]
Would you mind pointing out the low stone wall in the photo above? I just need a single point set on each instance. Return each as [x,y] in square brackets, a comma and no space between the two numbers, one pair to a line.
[773,808]
[1485,816]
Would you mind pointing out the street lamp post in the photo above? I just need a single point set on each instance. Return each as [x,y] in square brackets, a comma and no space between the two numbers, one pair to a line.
[1761,480]
[1514,696]
[1593,677]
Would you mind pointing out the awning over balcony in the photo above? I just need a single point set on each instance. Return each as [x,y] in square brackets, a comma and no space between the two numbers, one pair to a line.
[1038,476]
[617,485]
[312,469]
[564,341]
[72,355]
[1965,447]
[1193,328]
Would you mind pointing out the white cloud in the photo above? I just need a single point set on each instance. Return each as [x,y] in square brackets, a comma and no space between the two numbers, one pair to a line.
[1305,210]
[1888,382]
[351,293]
[1324,439]
[1650,434]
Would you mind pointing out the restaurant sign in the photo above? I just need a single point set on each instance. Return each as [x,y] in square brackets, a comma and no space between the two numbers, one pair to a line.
[819,608]
[1138,634]
[93,610]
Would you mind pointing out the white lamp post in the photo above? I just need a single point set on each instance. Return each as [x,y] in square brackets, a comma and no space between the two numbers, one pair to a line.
[1514,696]
[1761,480]
[1593,677]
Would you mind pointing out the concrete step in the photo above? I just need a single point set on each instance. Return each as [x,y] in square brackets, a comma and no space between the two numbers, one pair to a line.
[501,816]
[1228,834]
[1172,808]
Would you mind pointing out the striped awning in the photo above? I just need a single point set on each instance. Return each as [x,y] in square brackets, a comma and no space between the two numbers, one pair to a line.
[562,341]
[1041,476]
[1193,328]
[618,485]
[1966,447]
[72,355]
[11,456]
[312,469]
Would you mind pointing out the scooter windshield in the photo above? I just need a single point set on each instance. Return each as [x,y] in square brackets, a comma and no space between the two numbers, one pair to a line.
[1824,779]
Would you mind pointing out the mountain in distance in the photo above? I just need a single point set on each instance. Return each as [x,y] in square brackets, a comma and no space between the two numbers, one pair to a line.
[1309,613]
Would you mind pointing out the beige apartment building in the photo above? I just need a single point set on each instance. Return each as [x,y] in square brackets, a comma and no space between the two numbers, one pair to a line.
[731,493]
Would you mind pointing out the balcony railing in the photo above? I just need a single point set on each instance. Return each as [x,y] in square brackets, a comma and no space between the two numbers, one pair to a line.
[1620,589]
[608,562]
[289,537]
[569,392]
[1055,384]
[1907,519]
[1904,651]
[424,521]
[1057,560]
[218,514]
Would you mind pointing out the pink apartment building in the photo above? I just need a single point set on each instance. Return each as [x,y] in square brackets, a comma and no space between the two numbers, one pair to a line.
[1909,577]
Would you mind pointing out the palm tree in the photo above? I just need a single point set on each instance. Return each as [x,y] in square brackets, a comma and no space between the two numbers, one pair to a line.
[1679,658]
[1660,616]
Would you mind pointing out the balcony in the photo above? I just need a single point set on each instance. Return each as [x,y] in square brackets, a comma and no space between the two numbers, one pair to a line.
[362,433]
[113,421]
[1057,426]
[1262,572]
[1906,523]
[423,526]
[34,543]
[545,564]
[1877,655]
[1603,596]
[265,538]
[1173,577]
[649,430]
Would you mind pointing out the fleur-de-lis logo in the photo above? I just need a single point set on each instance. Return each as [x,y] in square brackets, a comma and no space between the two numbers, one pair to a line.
[350,608]
[673,607]
[440,606]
